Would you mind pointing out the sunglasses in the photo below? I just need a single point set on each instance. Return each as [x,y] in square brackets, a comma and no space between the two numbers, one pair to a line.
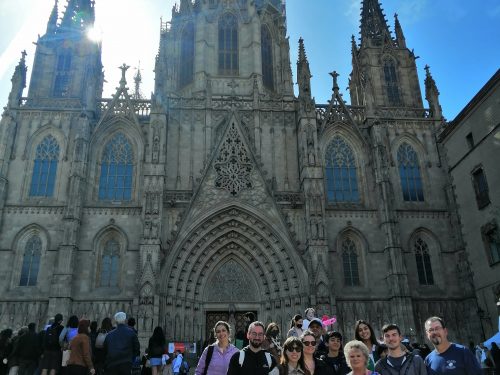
[309,343]
[297,349]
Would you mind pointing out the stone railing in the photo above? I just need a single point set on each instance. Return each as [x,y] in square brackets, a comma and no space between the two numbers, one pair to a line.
[51,103]
[141,107]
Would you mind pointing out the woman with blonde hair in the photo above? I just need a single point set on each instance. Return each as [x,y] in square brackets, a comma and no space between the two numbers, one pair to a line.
[357,357]
[215,358]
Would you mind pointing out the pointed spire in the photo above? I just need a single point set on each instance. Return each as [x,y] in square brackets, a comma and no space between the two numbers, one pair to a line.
[432,94]
[185,6]
[78,15]
[52,24]
[400,38]
[18,82]
[137,82]
[303,73]
[373,23]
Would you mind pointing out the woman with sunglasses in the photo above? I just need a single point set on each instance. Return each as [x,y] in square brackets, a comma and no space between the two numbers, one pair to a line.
[363,332]
[292,360]
[314,365]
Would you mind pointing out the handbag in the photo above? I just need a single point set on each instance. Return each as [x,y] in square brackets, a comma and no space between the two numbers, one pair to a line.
[65,357]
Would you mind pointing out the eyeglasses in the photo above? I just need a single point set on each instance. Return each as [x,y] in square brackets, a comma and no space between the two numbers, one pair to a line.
[255,334]
[309,343]
[297,349]
[435,329]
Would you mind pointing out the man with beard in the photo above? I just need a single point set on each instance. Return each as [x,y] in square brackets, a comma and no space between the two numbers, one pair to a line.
[252,360]
[398,361]
[447,357]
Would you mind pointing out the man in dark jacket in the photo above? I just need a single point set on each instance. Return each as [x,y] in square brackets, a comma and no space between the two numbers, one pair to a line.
[121,347]
[27,351]
[253,360]
[398,361]
[52,355]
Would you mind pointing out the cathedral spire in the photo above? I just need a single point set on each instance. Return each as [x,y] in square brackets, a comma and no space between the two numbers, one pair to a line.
[185,6]
[432,94]
[52,24]
[303,73]
[373,23]
[79,14]
[18,82]
[400,38]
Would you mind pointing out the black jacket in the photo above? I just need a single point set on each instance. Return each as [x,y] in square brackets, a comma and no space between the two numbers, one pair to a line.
[27,347]
[254,363]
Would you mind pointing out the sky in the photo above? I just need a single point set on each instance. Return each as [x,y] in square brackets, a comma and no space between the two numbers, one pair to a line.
[458,39]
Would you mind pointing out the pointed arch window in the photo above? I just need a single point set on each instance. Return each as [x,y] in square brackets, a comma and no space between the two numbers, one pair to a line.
[115,182]
[391,82]
[228,45]
[424,266]
[350,262]
[187,55]
[45,168]
[266,45]
[110,262]
[63,71]
[31,261]
[409,173]
[341,172]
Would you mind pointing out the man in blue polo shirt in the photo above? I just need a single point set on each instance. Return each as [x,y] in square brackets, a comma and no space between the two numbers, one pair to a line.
[447,357]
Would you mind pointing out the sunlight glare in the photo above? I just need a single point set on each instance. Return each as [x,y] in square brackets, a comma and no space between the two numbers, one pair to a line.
[94,34]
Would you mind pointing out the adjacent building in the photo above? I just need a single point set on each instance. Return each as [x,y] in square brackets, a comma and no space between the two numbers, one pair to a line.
[472,145]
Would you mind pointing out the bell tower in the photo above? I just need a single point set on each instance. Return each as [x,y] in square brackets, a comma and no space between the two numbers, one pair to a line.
[67,62]
[223,47]
[383,63]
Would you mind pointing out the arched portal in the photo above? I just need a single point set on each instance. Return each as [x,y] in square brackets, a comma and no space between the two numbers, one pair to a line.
[231,261]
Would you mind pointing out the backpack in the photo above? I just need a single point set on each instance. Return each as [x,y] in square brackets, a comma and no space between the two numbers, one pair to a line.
[51,338]
[274,371]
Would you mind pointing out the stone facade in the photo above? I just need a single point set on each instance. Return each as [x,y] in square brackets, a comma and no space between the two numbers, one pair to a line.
[472,145]
[225,192]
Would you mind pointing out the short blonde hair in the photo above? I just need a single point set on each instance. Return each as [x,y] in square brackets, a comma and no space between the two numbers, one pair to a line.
[355,344]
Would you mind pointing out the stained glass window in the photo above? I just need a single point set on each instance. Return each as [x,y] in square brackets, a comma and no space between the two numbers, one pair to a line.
[115,182]
[187,55]
[267,58]
[341,172]
[45,168]
[409,173]
[109,264]
[228,45]
[424,267]
[350,262]
[31,261]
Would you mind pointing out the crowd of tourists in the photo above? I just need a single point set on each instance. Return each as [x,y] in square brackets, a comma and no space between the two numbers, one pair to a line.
[81,347]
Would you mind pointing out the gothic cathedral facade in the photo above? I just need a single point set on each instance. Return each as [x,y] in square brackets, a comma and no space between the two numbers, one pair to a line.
[225,192]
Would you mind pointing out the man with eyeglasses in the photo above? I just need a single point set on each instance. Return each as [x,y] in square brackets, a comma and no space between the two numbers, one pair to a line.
[398,361]
[253,360]
[447,357]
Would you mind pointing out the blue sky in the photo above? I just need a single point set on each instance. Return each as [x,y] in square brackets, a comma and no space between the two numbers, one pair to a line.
[459,39]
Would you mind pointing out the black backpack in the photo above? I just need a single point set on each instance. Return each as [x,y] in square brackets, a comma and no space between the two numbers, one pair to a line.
[51,338]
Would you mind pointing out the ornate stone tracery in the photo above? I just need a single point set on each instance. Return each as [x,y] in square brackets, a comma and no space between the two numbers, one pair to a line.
[233,166]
